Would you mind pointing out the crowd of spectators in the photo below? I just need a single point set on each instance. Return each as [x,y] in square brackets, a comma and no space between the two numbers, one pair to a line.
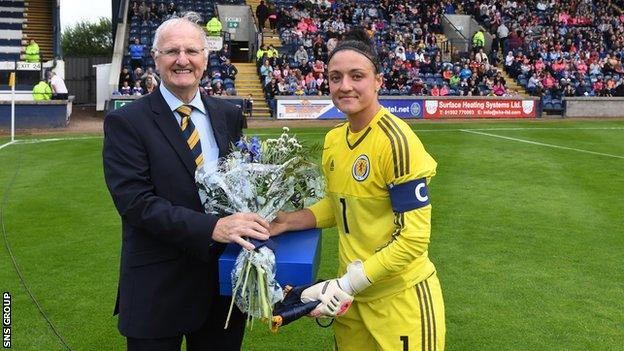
[557,48]
[138,76]
[553,48]
[404,33]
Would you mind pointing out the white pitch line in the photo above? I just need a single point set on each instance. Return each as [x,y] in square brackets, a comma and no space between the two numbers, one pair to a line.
[464,129]
[37,141]
[541,144]
[7,144]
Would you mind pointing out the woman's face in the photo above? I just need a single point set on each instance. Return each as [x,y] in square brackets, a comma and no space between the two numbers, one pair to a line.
[353,84]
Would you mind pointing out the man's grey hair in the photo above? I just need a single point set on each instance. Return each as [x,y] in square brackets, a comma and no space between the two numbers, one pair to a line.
[189,17]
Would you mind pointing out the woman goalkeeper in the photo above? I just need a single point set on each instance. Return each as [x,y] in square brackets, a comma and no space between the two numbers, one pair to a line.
[377,173]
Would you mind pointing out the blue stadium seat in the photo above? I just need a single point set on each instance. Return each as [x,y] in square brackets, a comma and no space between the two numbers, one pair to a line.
[557,105]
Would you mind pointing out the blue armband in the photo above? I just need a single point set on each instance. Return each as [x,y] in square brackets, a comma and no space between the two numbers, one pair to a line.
[409,196]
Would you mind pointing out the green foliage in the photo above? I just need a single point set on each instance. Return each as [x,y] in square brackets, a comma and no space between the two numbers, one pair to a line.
[527,240]
[88,39]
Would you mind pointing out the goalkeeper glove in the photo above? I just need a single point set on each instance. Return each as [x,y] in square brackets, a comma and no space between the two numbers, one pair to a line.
[334,301]
[336,295]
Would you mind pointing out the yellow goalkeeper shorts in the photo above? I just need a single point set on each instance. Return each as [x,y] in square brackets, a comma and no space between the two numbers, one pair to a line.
[410,320]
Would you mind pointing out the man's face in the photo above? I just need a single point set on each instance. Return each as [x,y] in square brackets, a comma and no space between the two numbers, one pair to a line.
[181,73]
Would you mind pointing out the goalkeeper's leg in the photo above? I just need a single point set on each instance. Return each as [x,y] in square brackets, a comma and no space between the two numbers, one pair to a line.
[350,332]
[408,320]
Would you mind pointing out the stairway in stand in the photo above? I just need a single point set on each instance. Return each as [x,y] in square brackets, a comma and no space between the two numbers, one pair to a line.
[445,47]
[247,79]
[511,84]
[38,26]
[248,82]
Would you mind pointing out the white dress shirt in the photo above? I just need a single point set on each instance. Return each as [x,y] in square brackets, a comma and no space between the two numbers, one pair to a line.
[201,120]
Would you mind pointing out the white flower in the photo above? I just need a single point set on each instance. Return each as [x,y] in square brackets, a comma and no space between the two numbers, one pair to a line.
[264,188]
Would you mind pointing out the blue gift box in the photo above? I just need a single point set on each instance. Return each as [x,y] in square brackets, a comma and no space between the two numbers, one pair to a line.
[297,256]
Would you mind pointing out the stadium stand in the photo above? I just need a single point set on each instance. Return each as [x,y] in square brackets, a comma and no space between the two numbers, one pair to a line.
[11,20]
[22,21]
[549,49]
[138,65]
[558,49]
[408,37]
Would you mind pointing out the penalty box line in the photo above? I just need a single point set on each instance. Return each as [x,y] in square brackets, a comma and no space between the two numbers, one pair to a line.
[472,131]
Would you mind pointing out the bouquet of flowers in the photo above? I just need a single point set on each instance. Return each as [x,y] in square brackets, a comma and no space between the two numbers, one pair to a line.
[262,177]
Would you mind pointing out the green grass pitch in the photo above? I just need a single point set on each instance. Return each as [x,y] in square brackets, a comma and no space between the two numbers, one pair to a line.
[528,239]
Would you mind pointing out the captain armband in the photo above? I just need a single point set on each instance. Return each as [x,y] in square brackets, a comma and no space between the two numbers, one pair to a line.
[409,196]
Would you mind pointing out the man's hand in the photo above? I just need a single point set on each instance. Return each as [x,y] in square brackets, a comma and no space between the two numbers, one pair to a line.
[334,300]
[234,229]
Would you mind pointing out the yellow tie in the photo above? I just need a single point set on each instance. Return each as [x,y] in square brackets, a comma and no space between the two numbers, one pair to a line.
[190,133]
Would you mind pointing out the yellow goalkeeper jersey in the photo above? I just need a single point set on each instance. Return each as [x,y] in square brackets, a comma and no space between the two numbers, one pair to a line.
[361,170]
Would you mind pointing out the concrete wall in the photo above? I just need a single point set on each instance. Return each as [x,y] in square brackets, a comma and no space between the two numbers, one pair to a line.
[576,107]
[468,26]
[239,16]
[462,23]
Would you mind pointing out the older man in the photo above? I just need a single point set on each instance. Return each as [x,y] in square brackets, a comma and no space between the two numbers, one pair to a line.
[168,286]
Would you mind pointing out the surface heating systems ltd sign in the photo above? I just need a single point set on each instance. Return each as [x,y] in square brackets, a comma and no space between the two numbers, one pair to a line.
[482,108]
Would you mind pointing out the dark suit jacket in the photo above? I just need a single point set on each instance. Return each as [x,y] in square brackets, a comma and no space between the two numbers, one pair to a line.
[168,273]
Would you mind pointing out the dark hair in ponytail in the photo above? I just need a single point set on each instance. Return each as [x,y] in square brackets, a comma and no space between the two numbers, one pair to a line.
[358,41]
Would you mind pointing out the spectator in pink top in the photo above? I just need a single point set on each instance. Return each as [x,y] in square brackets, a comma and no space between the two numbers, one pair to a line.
[540,65]
[444,91]
[548,82]
[499,89]
[435,91]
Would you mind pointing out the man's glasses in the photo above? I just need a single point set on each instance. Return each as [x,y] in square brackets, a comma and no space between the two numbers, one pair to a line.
[191,52]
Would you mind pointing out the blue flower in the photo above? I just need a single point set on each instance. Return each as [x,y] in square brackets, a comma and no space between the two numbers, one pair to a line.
[241,145]
[255,149]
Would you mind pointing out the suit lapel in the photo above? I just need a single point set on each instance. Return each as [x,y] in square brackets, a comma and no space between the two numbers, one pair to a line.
[166,121]
[218,123]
